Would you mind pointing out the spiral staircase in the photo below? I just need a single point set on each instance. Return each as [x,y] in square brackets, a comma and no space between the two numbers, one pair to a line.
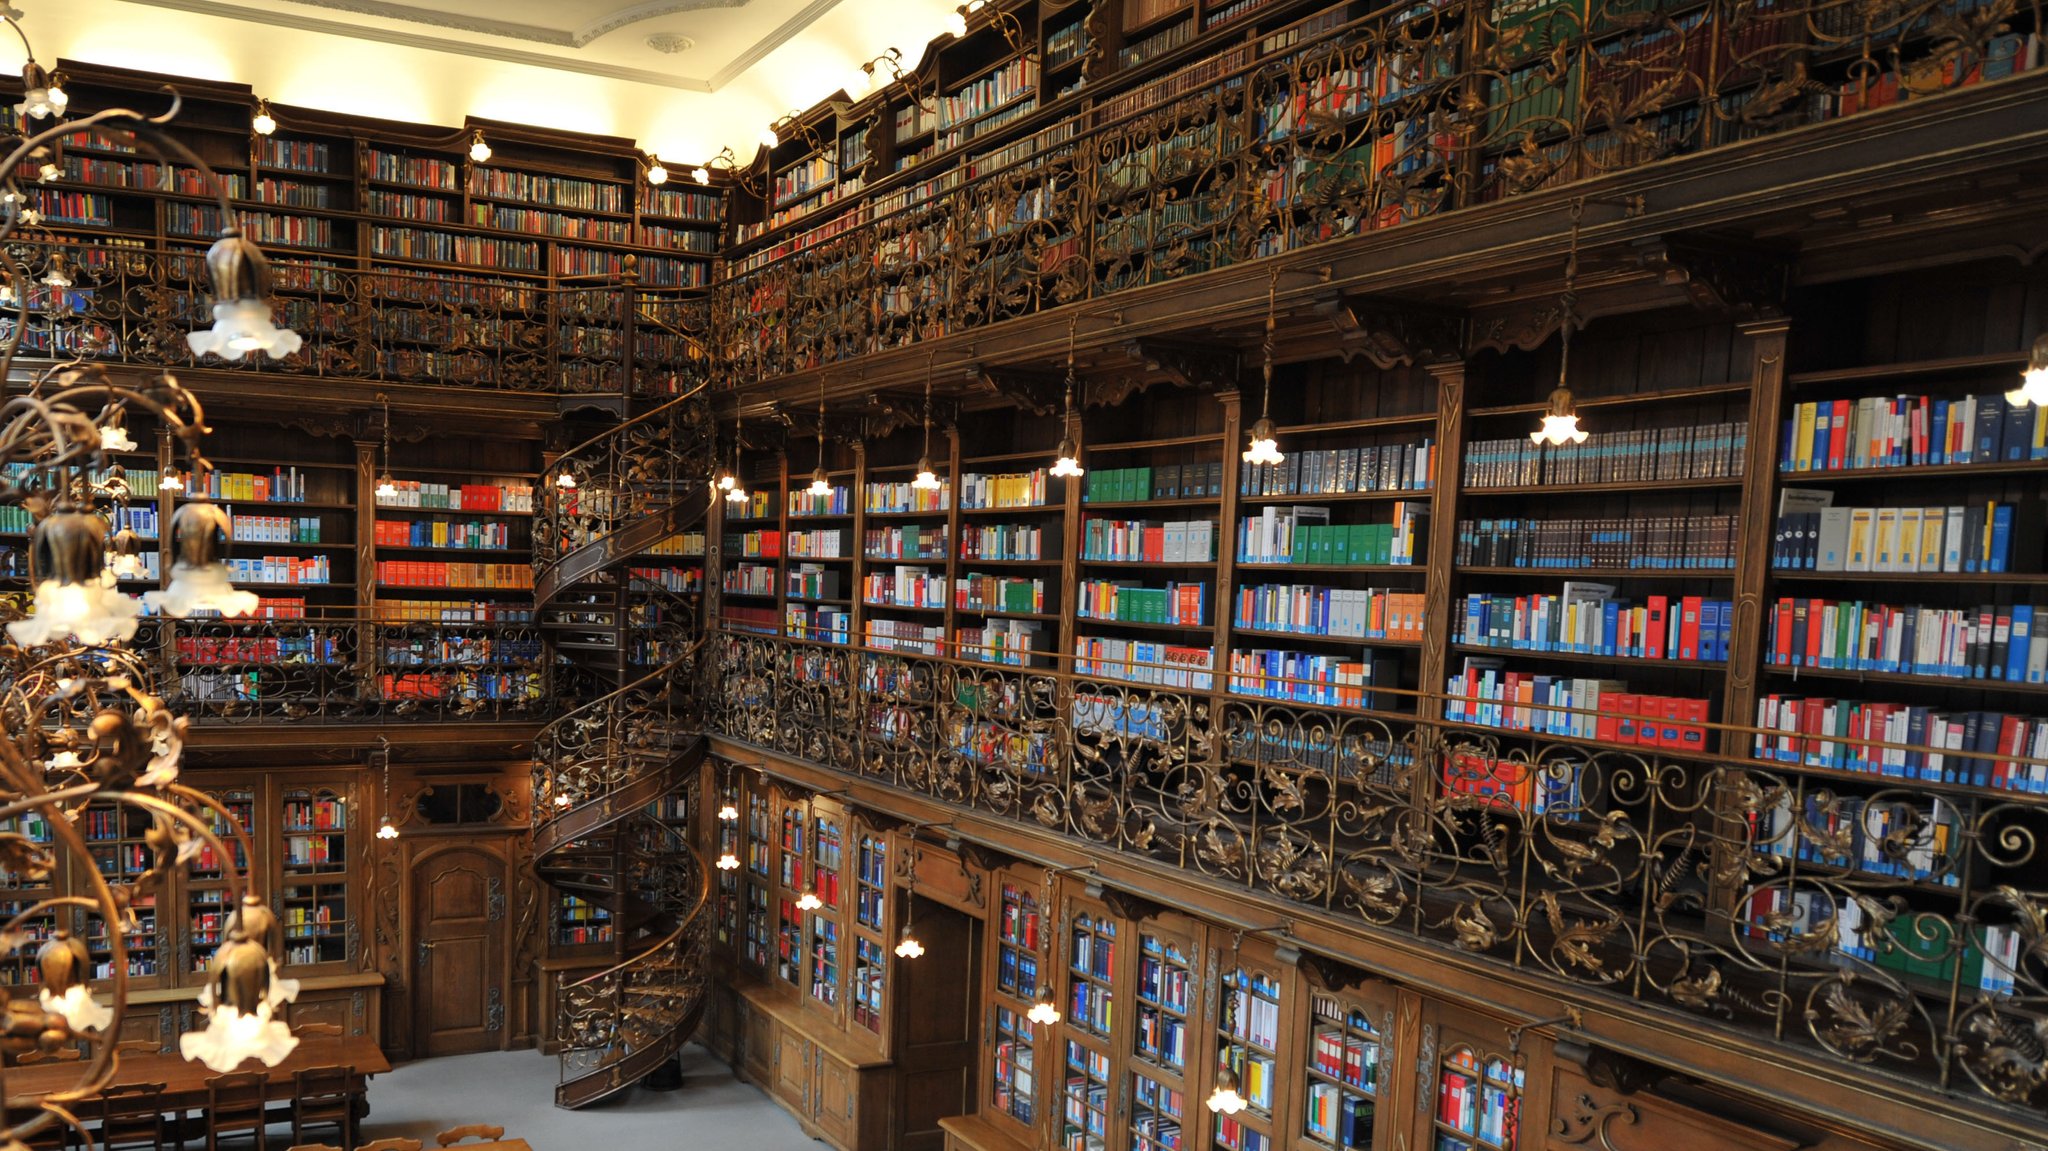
[612,775]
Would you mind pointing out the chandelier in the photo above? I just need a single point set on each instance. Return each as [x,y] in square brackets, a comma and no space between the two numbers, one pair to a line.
[82,722]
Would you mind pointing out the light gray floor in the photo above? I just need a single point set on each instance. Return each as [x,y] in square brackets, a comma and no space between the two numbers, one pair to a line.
[515,1090]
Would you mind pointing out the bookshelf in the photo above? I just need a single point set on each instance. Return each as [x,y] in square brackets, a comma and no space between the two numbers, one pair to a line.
[868,986]
[313,877]
[117,839]
[209,899]
[1015,983]
[24,889]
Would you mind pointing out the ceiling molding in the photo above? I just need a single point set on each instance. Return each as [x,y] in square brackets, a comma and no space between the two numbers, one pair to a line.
[554,37]
[769,43]
[431,43]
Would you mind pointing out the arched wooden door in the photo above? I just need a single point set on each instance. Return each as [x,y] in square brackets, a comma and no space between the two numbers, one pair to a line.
[458,936]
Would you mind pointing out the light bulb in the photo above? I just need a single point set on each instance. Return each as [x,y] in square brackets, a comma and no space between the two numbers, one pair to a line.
[1265,445]
[908,947]
[821,484]
[956,23]
[728,813]
[263,123]
[769,137]
[728,862]
[738,495]
[566,480]
[701,174]
[727,481]
[809,901]
[1068,464]
[1043,1013]
[387,488]
[479,151]
[385,828]
[656,174]
[1560,420]
[1225,1099]
[927,479]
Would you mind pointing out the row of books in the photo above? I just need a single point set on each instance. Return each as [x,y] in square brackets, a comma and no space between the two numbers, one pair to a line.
[804,503]
[992,91]
[1012,642]
[904,497]
[1995,536]
[1911,431]
[535,221]
[1153,482]
[1987,642]
[280,569]
[906,586]
[450,611]
[75,207]
[1158,43]
[1162,1038]
[525,686]
[1184,604]
[315,815]
[556,191]
[903,635]
[682,581]
[1694,452]
[682,204]
[281,486]
[480,535]
[1254,1008]
[423,171]
[1145,661]
[749,579]
[294,193]
[504,496]
[1148,541]
[812,543]
[424,573]
[1001,542]
[149,175]
[275,529]
[1587,619]
[299,155]
[1917,944]
[1004,489]
[975,592]
[1921,842]
[802,178]
[267,227]
[1478,1105]
[1305,535]
[309,648]
[1651,543]
[1486,693]
[1315,678]
[807,581]
[908,542]
[690,543]
[1977,748]
[1352,613]
[451,248]
[1334,471]
[821,624]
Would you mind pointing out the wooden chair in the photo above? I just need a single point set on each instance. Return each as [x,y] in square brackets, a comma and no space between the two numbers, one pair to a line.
[60,1055]
[318,1030]
[324,1097]
[477,1131]
[234,1105]
[132,1115]
[393,1144]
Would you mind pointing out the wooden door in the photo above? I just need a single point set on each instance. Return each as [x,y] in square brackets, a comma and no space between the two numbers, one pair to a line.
[458,899]
[936,1022]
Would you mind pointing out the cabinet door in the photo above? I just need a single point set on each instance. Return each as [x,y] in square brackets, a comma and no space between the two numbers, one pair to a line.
[832,1097]
[759,1048]
[1166,989]
[1478,1098]
[1255,994]
[1348,1057]
[793,1068]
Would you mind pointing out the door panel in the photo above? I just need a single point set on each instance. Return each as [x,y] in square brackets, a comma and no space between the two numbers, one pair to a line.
[459,942]
[937,1024]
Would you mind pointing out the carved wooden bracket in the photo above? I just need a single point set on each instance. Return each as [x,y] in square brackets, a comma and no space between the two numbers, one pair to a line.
[887,413]
[1030,392]
[1327,974]
[1132,907]
[1181,364]
[1391,333]
[1720,274]
[984,857]
[802,422]
[1525,327]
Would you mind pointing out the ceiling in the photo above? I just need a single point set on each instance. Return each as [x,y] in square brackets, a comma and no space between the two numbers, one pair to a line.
[682,77]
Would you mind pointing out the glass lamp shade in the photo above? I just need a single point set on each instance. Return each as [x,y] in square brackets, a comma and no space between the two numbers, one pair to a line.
[738,495]
[726,480]
[1560,421]
[387,488]
[199,573]
[809,901]
[656,174]
[386,829]
[821,484]
[701,174]
[728,813]
[2033,387]
[927,479]
[1226,1099]
[171,481]
[769,137]
[263,123]
[75,594]
[240,327]
[1068,463]
[124,557]
[1265,444]
[909,947]
[1043,1013]
[728,862]
[241,999]
[479,151]
[566,480]
[956,22]
[114,438]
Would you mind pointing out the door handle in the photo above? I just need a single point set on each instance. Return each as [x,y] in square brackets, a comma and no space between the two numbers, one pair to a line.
[426,950]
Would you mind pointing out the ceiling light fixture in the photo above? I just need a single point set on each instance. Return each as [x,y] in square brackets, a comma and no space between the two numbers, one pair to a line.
[1560,415]
[1044,1012]
[1226,1098]
[2033,387]
[908,946]
[821,484]
[927,478]
[1265,439]
[737,493]
[701,174]
[386,829]
[387,488]
[1067,463]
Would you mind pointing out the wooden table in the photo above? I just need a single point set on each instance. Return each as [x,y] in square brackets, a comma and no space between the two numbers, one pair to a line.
[500,1145]
[185,1081]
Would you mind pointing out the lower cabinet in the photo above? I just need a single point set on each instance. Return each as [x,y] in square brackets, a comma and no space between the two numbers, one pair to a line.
[839,1098]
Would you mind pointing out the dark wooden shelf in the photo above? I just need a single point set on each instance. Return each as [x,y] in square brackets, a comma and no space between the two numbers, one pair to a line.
[1669,396]
[1395,569]
[1306,498]
[1006,613]
[1181,628]
[1613,661]
[1909,368]
[1622,487]
[1152,565]
[1121,505]
[1946,682]
[1606,573]
[1912,472]
[1346,640]
[2030,578]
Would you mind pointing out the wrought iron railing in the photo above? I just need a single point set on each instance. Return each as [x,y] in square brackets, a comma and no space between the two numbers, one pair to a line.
[592,753]
[1893,924]
[134,304]
[1335,126]
[647,473]
[348,669]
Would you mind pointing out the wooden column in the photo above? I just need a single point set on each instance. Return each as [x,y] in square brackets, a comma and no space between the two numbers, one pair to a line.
[1226,522]
[1443,525]
[366,566]
[1753,542]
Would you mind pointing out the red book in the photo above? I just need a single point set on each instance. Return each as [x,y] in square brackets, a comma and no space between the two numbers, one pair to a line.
[1689,628]
[1693,733]
[1658,627]
[1625,718]
[1812,720]
[2012,739]
[1670,729]
[1781,633]
[1838,437]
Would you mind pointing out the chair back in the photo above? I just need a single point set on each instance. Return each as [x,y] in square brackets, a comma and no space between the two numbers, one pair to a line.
[323,1084]
[236,1095]
[391,1145]
[131,1100]
[60,1055]
[476,1131]
[313,1147]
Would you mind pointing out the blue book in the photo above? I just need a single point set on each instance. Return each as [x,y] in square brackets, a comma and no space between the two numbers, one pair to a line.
[2016,650]
[1785,453]
[2001,537]
[1937,434]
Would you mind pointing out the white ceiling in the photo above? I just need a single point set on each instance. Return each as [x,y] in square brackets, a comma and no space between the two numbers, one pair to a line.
[579,64]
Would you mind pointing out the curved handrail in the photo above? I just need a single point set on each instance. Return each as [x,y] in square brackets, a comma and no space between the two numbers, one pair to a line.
[545,795]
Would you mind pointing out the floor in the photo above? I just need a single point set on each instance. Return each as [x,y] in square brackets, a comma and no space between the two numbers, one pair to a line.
[515,1089]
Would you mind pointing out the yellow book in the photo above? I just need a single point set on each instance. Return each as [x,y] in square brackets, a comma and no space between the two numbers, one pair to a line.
[1906,553]
[1885,541]
[1861,524]
[1931,522]
[1802,439]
